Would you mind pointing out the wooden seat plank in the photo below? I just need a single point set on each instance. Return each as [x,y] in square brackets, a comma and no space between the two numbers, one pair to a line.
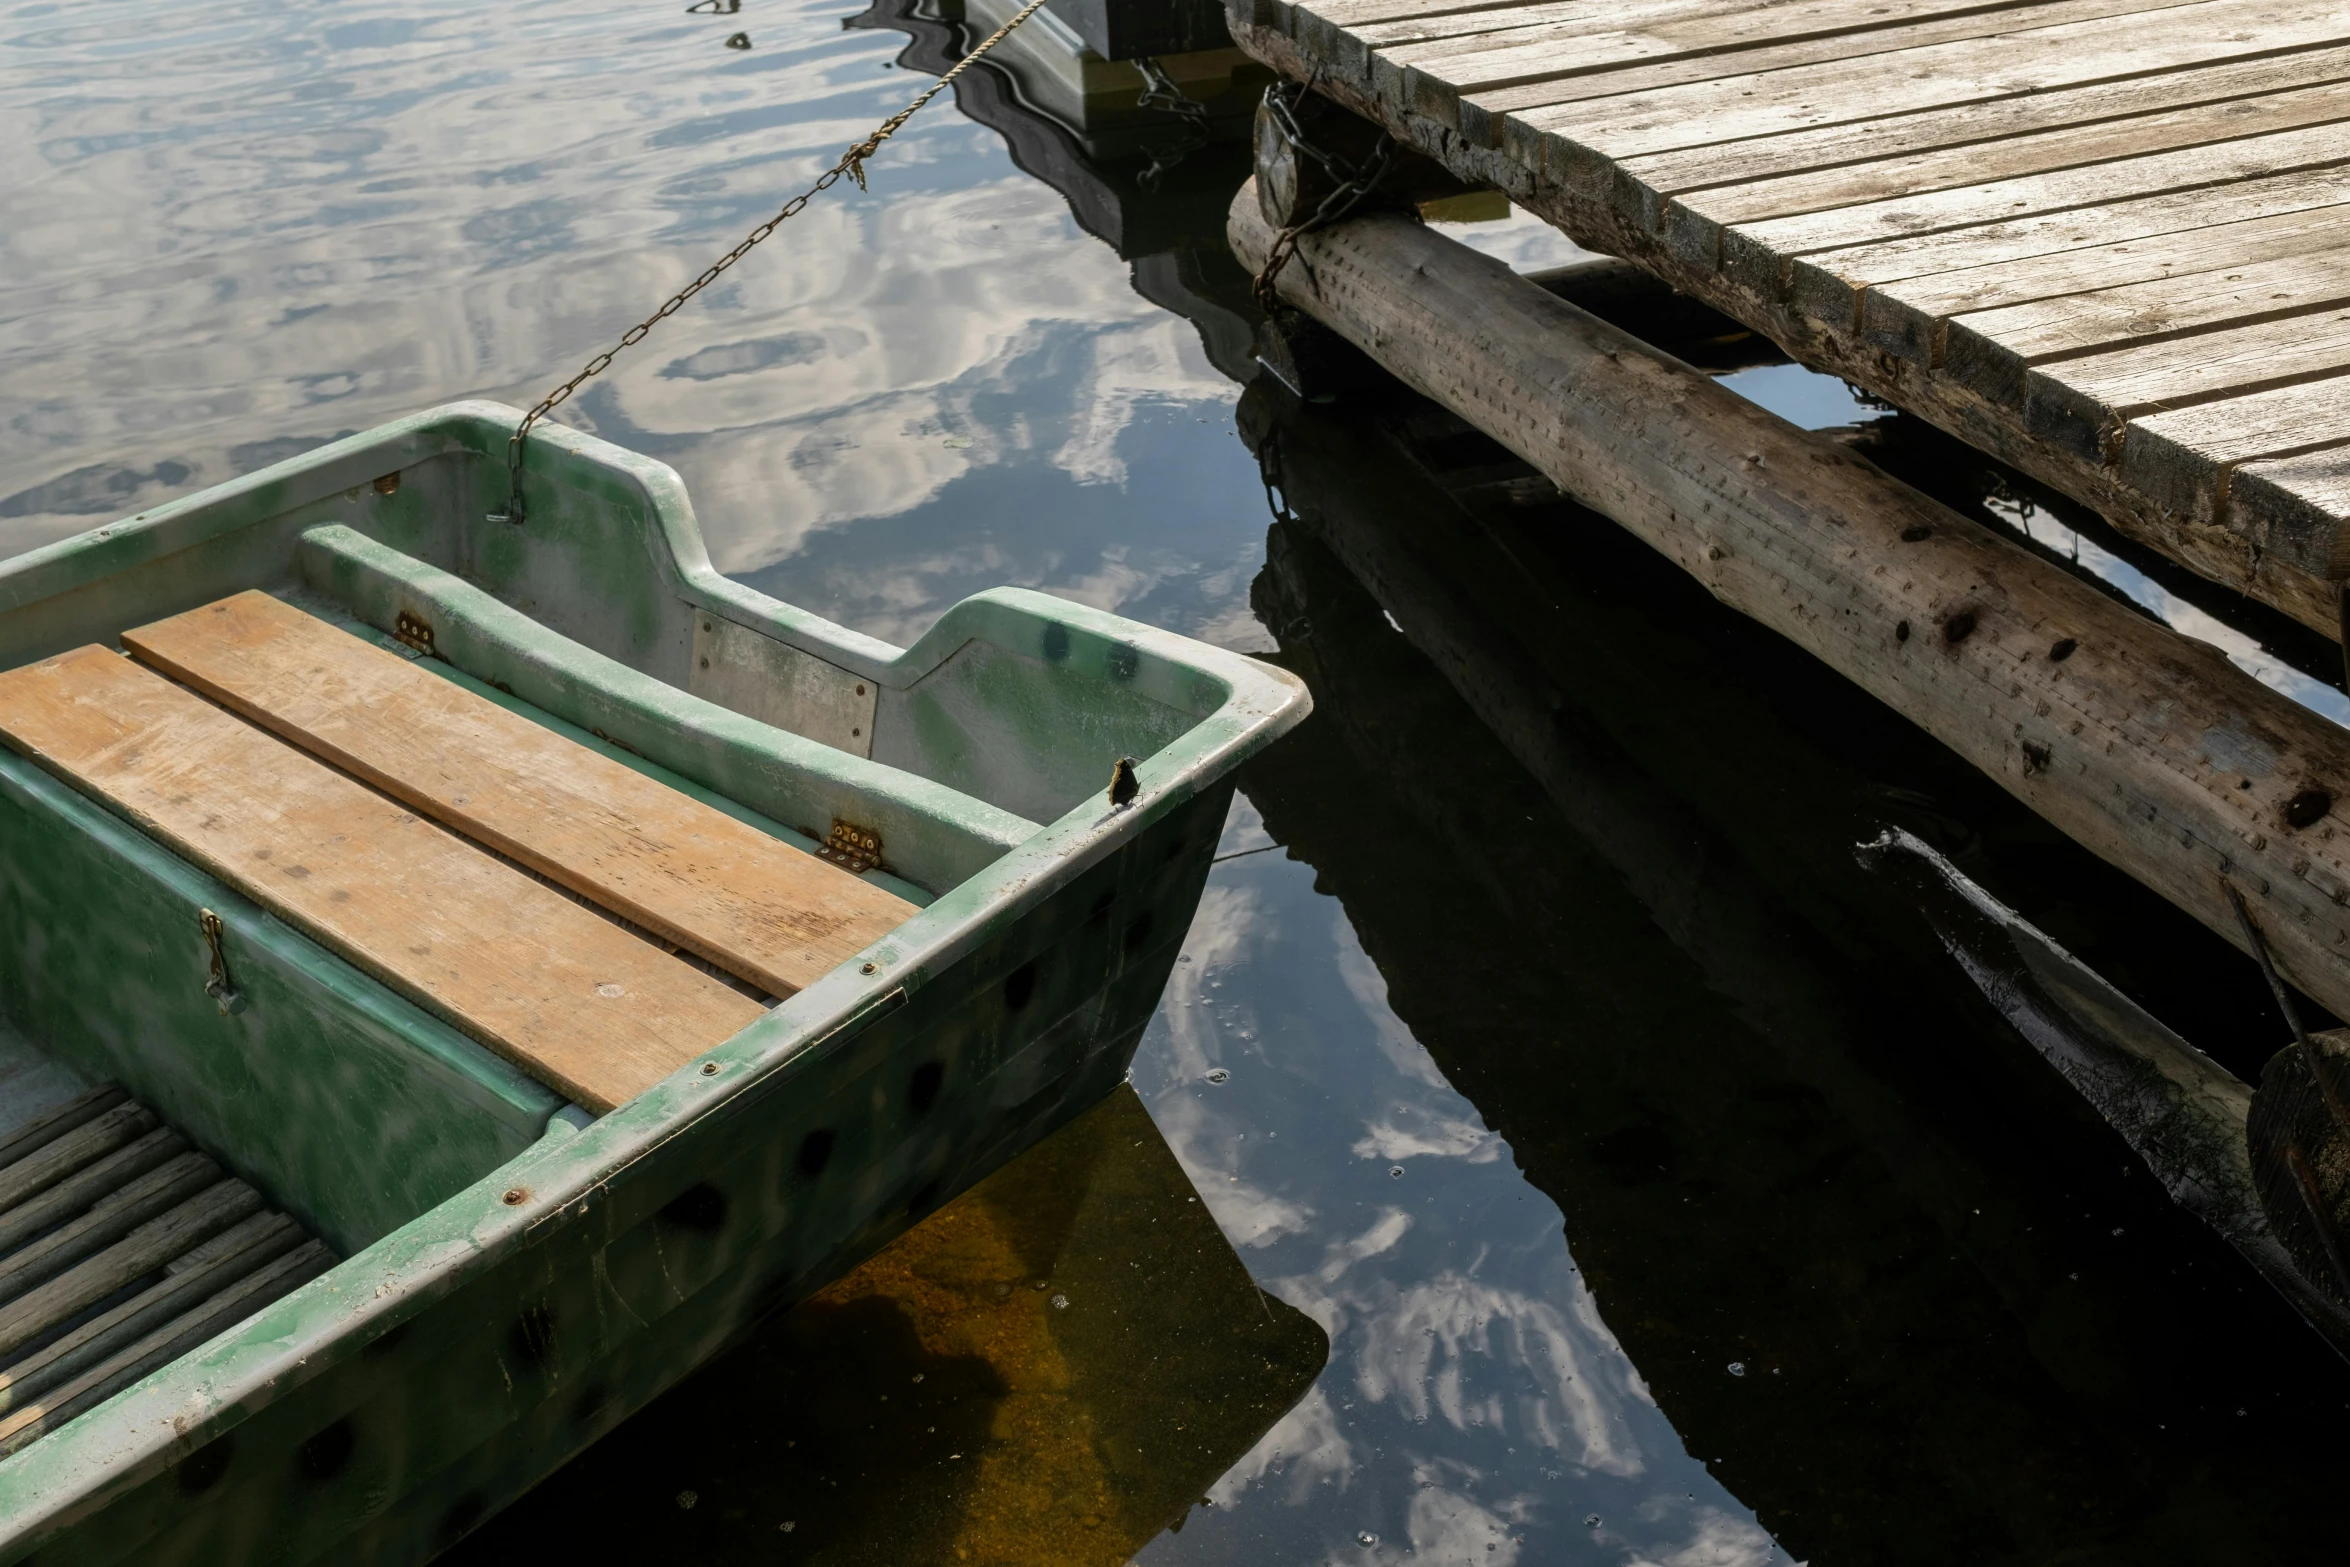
[748,903]
[2003,65]
[1875,152]
[565,993]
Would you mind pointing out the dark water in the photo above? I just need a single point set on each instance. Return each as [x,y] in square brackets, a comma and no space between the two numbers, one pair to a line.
[1552,1147]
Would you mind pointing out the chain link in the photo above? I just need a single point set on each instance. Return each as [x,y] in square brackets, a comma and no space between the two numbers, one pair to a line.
[1353,182]
[851,165]
[1160,92]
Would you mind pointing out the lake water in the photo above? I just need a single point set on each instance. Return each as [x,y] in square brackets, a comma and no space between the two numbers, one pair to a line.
[1553,1146]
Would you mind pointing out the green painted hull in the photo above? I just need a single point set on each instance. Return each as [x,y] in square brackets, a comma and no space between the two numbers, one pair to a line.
[519,1277]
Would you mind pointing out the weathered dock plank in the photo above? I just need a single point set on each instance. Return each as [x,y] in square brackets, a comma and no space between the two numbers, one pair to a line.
[2102,239]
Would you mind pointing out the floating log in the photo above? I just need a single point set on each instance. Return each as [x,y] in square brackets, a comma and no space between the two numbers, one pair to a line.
[2151,750]
[2179,1110]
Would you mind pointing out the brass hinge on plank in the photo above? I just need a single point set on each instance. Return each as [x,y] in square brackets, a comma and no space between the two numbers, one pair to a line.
[415,631]
[852,848]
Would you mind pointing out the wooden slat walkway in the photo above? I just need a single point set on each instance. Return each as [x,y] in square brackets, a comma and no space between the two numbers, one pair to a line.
[2106,240]
[121,1249]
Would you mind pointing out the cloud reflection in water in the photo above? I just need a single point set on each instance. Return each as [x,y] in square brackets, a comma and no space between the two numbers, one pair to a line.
[1476,1407]
[236,231]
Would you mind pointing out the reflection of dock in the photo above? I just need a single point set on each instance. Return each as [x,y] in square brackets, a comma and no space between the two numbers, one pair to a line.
[942,1404]
[1783,1131]
[1150,183]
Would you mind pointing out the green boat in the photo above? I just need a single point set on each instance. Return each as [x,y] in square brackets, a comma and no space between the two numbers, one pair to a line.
[458,974]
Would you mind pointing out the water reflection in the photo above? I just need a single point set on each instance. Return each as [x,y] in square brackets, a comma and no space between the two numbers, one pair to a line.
[236,231]
[1052,1368]
[1868,1256]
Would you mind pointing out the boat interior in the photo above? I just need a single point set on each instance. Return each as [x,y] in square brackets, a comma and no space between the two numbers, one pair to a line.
[350,844]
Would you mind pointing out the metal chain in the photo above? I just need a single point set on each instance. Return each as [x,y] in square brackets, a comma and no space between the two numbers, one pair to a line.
[851,164]
[1160,92]
[1354,183]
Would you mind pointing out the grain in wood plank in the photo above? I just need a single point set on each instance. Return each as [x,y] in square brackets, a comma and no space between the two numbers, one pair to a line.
[2281,423]
[1999,66]
[754,906]
[2306,493]
[196,1274]
[2110,144]
[1587,38]
[106,1221]
[139,1250]
[559,990]
[61,1156]
[1877,152]
[77,1192]
[1510,80]
[201,1323]
[1902,317]
[58,1120]
[1910,217]
[2071,401]
[1386,34]
[1827,286]
[1993,350]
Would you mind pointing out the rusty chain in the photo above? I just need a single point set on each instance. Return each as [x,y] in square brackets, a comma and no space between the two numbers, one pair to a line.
[851,164]
[1353,183]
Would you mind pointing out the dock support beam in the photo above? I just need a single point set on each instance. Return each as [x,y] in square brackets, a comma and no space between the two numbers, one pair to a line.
[2150,749]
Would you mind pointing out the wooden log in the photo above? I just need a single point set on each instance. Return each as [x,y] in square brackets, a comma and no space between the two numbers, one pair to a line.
[138,1253]
[78,1193]
[2151,750]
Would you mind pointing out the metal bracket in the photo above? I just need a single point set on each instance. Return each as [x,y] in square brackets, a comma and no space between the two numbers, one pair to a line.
[852,848]
[415,631]
[218,986]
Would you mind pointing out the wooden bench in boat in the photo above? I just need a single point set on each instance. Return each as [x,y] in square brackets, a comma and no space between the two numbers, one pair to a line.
[307,788]
[121,1249]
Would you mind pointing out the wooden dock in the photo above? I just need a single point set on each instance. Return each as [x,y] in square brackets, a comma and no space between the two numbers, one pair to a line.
[2107,241]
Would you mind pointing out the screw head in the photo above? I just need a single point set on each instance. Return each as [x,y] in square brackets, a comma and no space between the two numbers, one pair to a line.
[867,969]
[709,1069]
[516,1196]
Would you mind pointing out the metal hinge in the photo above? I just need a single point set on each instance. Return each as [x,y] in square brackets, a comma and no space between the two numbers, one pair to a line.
[851,847]
[415,631]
